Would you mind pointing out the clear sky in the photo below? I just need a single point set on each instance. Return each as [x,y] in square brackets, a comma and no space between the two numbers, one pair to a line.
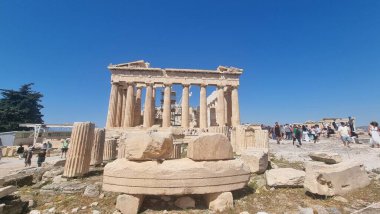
[302,59]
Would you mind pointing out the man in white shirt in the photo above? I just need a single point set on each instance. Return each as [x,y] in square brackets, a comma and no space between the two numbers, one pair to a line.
[344,133]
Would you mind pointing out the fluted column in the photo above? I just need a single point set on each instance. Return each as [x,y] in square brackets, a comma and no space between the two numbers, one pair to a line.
[98,147]
[128,121]
[137,109]
[124,104]
[153,105]
[235,107]
[185,107]
[110,152]
[119,112]
[166,111]
[79,157]
[112,106]
[228,106]
[203,108]
[220,115]
[148,106]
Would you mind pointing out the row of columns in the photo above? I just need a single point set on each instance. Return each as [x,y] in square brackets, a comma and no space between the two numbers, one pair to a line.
[125,106]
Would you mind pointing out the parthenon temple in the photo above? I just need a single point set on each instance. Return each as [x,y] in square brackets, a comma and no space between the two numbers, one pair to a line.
[129,79]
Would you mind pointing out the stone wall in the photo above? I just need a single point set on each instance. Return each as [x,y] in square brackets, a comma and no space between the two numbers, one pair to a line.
[244,137]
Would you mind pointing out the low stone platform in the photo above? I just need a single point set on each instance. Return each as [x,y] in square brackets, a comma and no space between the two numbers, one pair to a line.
[174,177]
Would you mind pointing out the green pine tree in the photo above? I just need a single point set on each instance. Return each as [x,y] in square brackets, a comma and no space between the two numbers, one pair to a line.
[22,106]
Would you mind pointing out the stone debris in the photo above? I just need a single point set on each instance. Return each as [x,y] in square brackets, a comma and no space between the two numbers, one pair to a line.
[35,212]
[129,204]
[75,210]
[337,179]
[91,191]
[328,158]
[185,202]
[340,199]
[94,204]
[255,159]
[65,187]
[148,146]
[5,191]
[220,202]
[210,147]
[2,181]
[285,177]
[307,210]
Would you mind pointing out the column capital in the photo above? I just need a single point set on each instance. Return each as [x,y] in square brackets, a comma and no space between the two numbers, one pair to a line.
[234,86]
[149,84]
[167,84]
[203,85]
[186,85]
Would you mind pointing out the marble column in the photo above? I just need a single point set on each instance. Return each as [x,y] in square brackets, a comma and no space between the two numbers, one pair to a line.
[153,106]
[128,121]
[98,147]
[79,156]
[137,109]
[235,107]
[166,112]
[148,106]
[124,104]
[228,106]
[112,106]
[185,107]
[203,108]
[110,152]
[119,111]
[220,115]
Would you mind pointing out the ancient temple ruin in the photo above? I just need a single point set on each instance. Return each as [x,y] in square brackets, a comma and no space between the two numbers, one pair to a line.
[128,80]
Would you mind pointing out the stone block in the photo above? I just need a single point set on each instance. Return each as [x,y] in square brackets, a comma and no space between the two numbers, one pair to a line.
[2,181]
[185,202]
[174,177]
[285,177]
[256,160]
[210,147]
[337,179]
[219,202]
[148,146]
[4,191]
[129,204]
[326,157]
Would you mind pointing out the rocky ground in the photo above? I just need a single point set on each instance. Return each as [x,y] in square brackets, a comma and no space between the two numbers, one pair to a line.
[48,192]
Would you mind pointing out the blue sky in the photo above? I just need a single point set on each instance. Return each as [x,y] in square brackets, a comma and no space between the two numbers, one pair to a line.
[302,59]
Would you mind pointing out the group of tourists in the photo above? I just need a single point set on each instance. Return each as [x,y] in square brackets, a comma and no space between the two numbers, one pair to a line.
[41,153]
[345,130]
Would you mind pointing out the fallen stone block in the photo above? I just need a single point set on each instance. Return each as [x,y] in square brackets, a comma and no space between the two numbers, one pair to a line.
[91,191]
[19,179]
[54,163]
[219,202]
[148,146]
[210,147]
[329,158]
[129,204]
[255,159]
[7,191]
[185,202]
[337,179]
[285,177]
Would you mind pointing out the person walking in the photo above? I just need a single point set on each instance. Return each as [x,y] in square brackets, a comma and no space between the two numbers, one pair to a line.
[277,132]
[373,131]
[297,135]
[65,147]
[288,132]
[20,151]
[41,157]
[344,133]
[28,154]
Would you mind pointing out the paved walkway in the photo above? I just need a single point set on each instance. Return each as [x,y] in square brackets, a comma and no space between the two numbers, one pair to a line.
[370,157]
[9,164]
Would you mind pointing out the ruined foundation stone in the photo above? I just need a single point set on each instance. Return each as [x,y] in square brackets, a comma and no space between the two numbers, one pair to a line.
[256,160]
[79,156]
[110,152]
[337,179]
[174,177]
[210,147]
[129,204]
[219,202]
[285,177]
[98,147]
[326,157]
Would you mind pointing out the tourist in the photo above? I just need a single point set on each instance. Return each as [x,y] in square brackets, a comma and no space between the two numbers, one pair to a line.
[20,152]
[335,126]
[305,133]
[373,131]
[288,132]
[41,157]
[344,133]
[282,129]
[330,131]
[28,154]
[49,147]
[277,132]
[65,147]
[1,152]
[297,135]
